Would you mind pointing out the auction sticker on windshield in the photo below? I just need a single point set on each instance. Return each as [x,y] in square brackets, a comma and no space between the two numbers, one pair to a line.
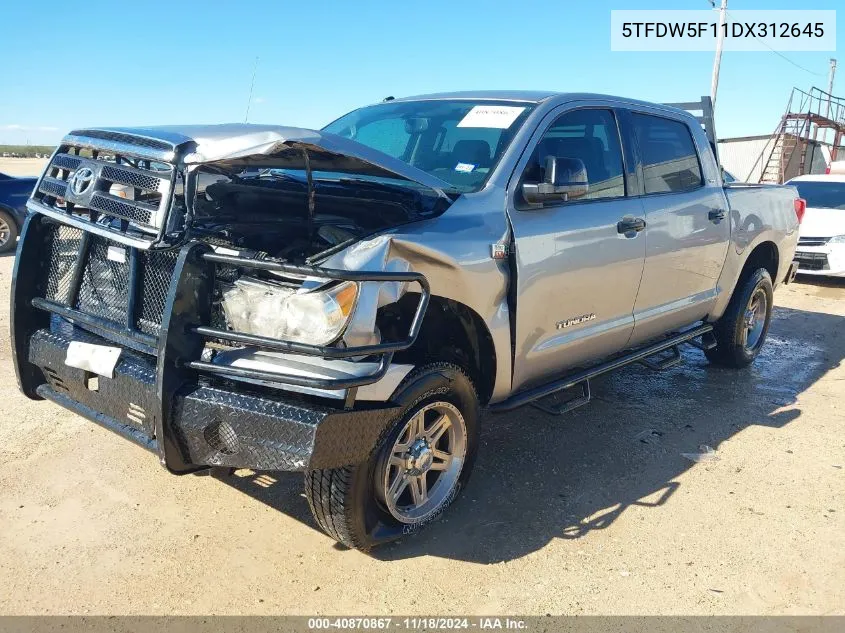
[493,116]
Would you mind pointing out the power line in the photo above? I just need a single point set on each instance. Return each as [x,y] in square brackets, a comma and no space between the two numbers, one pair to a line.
[796,64]
[712,5]
[781,55]
[251,86]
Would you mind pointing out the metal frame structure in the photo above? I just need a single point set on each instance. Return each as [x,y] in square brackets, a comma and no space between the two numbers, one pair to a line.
[807,114]
[706,119]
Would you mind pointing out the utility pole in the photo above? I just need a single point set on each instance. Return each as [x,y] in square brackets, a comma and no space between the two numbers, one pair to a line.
[836,137]
[830,86]
[720,37]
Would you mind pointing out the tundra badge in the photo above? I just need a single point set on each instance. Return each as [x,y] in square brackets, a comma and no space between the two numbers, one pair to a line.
[561,325]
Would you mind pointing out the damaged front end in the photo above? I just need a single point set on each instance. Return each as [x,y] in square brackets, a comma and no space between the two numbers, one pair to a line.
[195,251]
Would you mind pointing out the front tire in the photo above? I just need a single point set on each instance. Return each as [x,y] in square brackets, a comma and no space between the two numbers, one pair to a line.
[418,467]
[741,332]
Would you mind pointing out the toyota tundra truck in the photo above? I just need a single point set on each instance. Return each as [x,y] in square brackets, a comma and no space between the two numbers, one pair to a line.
[346,302]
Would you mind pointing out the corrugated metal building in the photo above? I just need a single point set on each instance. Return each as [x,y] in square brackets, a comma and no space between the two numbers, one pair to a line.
[746,156]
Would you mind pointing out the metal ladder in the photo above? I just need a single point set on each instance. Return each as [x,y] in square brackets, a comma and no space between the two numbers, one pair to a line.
[792,132]
[808,120]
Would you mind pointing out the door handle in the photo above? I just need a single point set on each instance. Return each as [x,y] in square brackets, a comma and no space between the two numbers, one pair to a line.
[630,225]
[716,215]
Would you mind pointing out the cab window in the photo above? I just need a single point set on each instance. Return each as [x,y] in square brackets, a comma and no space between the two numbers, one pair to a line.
[590,136]
[670,161]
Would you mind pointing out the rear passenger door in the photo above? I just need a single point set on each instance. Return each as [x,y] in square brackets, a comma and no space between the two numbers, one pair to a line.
[577,273]
[687,229]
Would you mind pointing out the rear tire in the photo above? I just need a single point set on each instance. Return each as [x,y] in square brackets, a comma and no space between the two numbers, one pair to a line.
[8,232]
[399,489]
[741,332]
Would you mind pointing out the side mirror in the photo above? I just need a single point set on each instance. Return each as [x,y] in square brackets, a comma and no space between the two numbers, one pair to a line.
[565,179]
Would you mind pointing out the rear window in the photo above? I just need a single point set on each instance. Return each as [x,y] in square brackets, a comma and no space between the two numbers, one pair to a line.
[822,194]
[670,162]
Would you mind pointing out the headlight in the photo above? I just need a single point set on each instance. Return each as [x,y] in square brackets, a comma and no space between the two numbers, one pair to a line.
[837,239]
[317,318]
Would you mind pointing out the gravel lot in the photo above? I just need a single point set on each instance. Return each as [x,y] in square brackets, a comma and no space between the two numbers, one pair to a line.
[22,166]
[593,512]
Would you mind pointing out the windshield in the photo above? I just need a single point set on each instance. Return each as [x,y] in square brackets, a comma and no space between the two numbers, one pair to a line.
[457,141]
[822,194]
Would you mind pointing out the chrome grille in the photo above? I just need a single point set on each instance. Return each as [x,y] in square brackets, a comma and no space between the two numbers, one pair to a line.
[115,207]
[131,177]
[65,161]
[130,183]
[120,137]
[53,187]
[108,261]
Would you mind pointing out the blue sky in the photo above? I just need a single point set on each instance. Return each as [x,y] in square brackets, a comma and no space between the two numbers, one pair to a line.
[67,65]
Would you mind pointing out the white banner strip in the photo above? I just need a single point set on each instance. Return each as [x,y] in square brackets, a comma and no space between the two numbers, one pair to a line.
[660,30]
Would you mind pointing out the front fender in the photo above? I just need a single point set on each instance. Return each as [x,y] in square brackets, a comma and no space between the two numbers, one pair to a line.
[453,251]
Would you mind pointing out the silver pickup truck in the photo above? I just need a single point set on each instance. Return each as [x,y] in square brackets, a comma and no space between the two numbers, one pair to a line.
[345,302]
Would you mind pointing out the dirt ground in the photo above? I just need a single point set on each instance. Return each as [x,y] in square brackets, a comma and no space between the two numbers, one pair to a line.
[593,512]
[22,166]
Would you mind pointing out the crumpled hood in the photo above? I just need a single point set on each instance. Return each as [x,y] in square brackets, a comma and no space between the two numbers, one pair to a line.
[202,144]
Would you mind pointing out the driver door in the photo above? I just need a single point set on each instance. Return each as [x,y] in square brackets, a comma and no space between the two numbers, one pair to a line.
[577,274]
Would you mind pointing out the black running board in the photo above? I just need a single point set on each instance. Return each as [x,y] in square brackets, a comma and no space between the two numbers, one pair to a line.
[568,405]
[583,377]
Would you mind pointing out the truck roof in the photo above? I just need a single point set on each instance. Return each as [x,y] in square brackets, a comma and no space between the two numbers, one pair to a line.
[530,96]
[527,96]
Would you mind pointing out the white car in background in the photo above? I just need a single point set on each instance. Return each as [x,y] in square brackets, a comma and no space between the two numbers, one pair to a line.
[821,242]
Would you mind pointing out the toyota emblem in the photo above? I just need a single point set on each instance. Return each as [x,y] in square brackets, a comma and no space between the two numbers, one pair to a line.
[82,180]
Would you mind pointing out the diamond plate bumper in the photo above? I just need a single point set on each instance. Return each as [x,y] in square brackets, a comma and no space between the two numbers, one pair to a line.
[211,426]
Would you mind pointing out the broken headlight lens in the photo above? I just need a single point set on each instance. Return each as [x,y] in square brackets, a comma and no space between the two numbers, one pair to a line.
[317,318]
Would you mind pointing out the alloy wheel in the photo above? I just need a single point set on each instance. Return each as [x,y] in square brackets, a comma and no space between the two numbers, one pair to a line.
[754,320]
[5,231]
[420,473]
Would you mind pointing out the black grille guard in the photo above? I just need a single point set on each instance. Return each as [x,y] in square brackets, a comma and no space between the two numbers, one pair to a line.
[187,313]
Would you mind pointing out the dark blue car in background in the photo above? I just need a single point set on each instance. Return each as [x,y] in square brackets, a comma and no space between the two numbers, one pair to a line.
[14,193]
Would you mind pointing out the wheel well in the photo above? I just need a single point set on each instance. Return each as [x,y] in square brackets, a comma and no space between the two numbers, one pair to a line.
[450,332]
[764,255]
